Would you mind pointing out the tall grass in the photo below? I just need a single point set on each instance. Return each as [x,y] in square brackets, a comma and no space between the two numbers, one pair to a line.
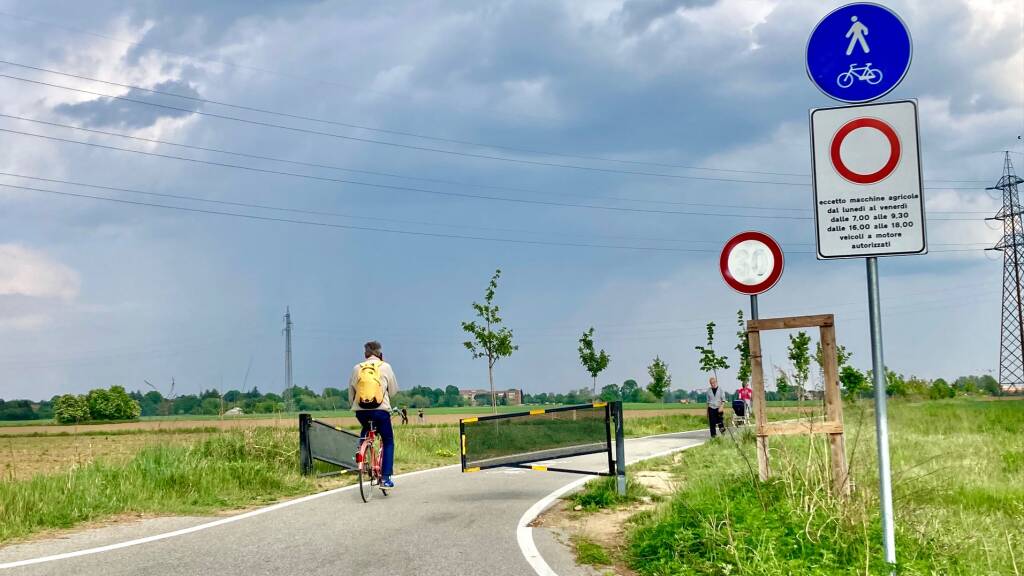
[958,493]
[227,470]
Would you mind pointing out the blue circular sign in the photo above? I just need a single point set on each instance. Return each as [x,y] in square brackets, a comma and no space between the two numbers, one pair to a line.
[859,52]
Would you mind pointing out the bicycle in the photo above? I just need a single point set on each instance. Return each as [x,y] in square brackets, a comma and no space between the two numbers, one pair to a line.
[866,73]
[368,464]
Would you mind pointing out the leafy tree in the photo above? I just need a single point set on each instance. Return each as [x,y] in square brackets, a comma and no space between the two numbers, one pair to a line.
[594,362]
[854,383]
[112,404]
[71,409]
[940,389]
[895,385]
[17,410]
[489,341]
[799,356]
[989,385]
[709,361]
[611,393]
[842,357]
[630,391]
[661,380]
[743,347]
[782,385]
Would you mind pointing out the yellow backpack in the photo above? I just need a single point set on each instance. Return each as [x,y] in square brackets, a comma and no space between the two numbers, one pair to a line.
[369,388]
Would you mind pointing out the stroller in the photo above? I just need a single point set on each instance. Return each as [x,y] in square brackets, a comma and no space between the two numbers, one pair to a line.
[739,413]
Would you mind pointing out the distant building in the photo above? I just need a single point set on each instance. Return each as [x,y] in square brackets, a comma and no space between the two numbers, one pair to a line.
[1010,389]
[236,411]
[513,397]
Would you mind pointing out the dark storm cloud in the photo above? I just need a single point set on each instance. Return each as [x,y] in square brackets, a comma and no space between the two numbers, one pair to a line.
[111,112]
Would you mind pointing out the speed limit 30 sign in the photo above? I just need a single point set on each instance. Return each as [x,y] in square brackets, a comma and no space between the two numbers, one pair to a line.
[751,262]
[868,199]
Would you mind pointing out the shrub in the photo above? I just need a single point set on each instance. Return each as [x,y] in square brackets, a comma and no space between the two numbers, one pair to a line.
[71,409]
[112,404]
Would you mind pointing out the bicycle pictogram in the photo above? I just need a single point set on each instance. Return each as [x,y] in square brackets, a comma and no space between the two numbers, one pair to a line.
[866,73]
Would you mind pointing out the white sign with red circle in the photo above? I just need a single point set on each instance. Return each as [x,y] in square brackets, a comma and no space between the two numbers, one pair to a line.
[868,199]
[751,262]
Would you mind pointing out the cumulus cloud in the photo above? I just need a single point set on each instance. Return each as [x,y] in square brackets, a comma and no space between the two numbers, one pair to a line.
[25,272]
[638,15]
[111,112]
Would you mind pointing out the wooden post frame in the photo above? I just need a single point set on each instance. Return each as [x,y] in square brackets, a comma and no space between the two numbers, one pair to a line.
[833,425]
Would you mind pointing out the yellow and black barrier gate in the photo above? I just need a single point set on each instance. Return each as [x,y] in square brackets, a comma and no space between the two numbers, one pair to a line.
[529,439]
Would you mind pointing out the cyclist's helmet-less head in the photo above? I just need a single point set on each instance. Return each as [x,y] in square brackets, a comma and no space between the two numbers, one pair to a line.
[373,348]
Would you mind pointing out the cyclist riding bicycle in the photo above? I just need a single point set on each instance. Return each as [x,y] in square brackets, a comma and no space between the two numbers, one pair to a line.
[370,389]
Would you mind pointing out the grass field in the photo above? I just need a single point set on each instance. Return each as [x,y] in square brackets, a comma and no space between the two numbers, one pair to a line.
[958,470]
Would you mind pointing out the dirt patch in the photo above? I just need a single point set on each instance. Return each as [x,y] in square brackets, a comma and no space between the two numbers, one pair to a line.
[604,527]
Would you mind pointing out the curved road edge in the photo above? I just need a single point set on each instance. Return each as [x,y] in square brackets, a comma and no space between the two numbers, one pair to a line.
[524,533]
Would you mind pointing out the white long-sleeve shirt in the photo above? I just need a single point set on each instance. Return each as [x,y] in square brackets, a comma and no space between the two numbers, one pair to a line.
[388,382]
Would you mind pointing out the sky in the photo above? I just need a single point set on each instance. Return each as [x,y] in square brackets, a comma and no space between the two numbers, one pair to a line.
[370,165]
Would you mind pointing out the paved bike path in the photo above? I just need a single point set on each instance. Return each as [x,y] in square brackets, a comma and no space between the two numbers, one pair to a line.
[440,522]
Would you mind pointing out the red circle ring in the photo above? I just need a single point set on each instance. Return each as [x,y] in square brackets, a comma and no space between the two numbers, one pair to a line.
[881,174]
[773,277]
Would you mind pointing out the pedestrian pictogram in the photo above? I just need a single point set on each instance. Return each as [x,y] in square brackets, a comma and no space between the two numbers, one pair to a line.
[857,34]
[858,53]
[868,198]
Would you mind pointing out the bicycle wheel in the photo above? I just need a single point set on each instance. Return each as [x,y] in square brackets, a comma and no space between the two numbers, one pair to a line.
[875,78]
[366,474]
[844,80]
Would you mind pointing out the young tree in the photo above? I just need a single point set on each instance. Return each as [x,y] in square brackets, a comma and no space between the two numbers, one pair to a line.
[782,385]
[594,362]
[743,347]
[660,378]
[799,355]
[842,357]
[854,383]
[709,361]
[488,340]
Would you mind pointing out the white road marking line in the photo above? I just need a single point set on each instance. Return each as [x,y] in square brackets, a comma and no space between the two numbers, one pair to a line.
[524,533]
[215,523]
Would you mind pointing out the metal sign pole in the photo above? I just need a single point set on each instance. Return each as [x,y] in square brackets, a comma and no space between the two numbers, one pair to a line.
[881,418]
[753,307]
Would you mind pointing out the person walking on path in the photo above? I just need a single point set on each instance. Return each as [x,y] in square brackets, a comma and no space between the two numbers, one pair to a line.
[746,394]
[370,389]
[405,415]
[716,407]
[421,418]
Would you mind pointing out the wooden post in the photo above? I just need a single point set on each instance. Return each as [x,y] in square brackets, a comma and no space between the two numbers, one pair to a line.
[834,411]
[760,413]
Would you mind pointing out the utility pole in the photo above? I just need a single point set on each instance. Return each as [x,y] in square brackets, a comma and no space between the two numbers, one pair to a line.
[287,355]
[1011,341]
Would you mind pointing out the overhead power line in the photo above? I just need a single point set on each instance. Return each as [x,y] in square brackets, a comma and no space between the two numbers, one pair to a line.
[388,186]
[361,228]
[331,225]
[324,213]
[401,188]
[388,174]
[397,144]
[418,135]
[331,214]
